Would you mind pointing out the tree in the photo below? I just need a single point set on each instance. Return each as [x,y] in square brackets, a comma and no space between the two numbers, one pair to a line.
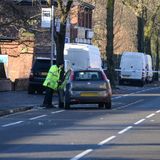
[60,36]
[63,8]
[149,29]
[146,12]
[138,8]
[157,66]
[110,39]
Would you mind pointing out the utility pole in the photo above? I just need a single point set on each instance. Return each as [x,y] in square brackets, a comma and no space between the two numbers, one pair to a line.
[51,5]
[52,35]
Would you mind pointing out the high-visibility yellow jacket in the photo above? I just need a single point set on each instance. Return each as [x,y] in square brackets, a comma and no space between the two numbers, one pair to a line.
[52,78]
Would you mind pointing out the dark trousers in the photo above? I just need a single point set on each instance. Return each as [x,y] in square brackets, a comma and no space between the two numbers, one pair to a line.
[48,97]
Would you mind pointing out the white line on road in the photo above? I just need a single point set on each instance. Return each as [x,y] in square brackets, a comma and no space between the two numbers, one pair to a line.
[125,130]
[129,104]
[38,117]
[106,140]
[82,154]
[158,111]
[125,95]
[58,111]
[151,115]
[11,124]
[140,121]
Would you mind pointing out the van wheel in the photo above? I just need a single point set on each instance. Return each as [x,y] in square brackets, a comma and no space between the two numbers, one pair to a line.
[141,83]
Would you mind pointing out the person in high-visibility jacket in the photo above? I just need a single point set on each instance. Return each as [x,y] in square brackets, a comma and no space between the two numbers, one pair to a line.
[51,84]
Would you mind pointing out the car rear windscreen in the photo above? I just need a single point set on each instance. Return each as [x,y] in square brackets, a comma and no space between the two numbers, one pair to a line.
[87,75]
[42,65]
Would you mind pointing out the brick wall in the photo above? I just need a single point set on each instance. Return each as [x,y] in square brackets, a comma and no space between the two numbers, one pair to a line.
[20,56]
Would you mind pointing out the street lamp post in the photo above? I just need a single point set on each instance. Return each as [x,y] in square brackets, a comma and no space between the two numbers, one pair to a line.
[52,35]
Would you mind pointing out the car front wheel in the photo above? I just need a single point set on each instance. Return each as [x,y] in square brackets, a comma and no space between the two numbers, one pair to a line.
[30,90]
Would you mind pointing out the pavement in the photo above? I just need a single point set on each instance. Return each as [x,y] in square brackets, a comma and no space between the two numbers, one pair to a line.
[18,101]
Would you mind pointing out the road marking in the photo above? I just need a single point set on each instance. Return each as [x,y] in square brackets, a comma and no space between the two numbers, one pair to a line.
[158,111]
[125,106]
[106,140]
[140,121]
[57,111]
[151,115]
[120,132]
[130,94]
[11,124]
[82,154]
[125,130]
[38,117]
[140,94]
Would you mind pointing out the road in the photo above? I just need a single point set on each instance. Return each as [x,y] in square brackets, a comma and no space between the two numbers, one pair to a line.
[130,131]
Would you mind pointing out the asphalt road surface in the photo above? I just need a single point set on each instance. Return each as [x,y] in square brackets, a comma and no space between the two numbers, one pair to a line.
[129,131]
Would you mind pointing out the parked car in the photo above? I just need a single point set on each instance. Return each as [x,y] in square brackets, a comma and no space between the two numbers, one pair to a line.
[85,86]
[38,74]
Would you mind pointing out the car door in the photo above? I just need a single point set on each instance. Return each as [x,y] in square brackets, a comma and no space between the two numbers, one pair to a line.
[62,88]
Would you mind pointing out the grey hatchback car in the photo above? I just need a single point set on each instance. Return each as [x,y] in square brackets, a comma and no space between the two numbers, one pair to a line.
[85,86]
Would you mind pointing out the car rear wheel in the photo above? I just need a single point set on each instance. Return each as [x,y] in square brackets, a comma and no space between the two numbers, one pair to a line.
[108,104]
[66,102]
[100,105]
[60,102]
[67,98]
[121,82]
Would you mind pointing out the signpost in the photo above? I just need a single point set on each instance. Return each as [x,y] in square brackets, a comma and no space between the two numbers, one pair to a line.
[46,18]
[47,21]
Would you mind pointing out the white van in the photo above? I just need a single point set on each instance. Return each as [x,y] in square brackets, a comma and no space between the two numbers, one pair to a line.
[149,76]
[133,68]
[82,55]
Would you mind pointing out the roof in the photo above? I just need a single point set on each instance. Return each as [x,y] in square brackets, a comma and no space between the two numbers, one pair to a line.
[84,4]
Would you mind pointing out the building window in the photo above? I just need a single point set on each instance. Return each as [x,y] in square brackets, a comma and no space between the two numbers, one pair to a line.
[85,17]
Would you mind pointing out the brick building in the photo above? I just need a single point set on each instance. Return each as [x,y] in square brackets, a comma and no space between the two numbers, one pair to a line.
[81,23]
[21,49]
